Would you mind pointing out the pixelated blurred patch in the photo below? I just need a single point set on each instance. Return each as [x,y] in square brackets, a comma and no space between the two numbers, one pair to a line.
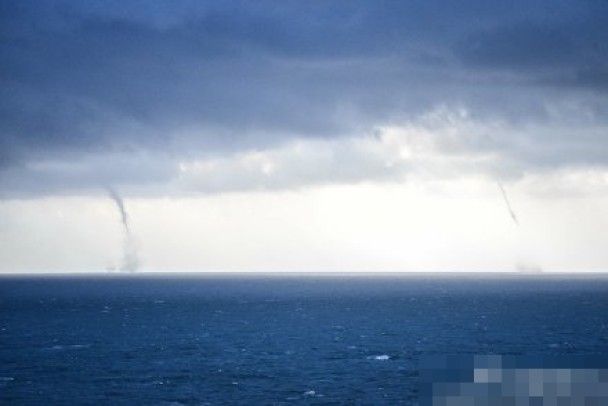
[466,379]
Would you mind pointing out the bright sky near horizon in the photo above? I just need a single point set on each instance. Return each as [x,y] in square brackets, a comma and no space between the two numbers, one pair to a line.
[303,136]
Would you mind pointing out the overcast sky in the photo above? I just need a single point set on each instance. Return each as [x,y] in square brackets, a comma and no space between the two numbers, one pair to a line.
[304,135]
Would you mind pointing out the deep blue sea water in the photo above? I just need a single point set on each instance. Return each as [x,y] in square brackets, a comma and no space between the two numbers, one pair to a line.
[271,339]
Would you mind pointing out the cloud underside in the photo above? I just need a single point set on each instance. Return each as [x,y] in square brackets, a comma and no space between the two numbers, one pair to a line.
[194,97]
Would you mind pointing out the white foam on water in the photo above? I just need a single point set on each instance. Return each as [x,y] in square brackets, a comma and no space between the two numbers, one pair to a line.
[382,357]
[79,346]
[59,347]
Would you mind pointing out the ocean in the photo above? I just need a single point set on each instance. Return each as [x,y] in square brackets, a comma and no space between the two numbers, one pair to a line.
[274,339]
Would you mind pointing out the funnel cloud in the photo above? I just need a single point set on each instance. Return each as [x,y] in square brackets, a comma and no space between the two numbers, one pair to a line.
[505,197]
[130,261]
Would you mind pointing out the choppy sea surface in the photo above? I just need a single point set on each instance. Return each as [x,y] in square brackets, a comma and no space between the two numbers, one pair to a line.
[211,339]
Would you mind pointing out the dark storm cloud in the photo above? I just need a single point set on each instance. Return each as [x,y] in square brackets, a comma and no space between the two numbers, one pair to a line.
[559,51]
[185,78]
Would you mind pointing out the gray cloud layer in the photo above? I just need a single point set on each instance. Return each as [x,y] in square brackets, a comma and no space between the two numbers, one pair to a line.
[156,83]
